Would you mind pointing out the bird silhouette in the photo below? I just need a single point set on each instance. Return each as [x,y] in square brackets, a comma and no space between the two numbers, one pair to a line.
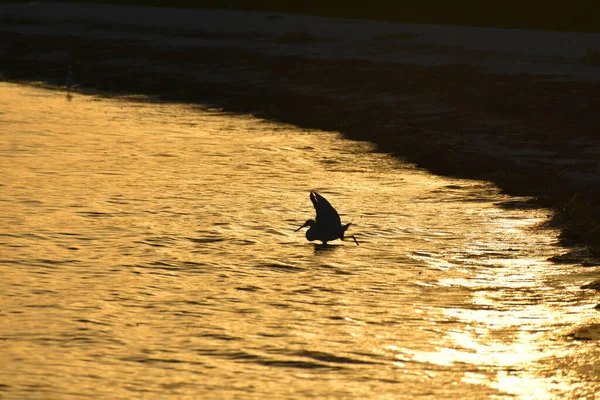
[327,225]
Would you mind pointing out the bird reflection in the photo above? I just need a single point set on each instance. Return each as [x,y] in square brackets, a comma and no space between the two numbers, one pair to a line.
[321,248]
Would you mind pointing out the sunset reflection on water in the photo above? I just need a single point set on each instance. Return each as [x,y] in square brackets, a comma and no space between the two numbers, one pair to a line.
[148,249]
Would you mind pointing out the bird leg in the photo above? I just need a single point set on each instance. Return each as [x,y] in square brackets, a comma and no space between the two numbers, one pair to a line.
[352,236]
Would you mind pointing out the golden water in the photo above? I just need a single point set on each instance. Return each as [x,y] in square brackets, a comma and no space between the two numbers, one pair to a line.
[147,251]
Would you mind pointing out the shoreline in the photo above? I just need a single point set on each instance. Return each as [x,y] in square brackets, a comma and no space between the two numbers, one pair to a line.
[510,118]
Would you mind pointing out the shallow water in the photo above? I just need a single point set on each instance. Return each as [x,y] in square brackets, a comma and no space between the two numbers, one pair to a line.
[147,250]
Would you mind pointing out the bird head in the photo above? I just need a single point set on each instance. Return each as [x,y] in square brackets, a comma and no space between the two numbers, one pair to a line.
[310,222]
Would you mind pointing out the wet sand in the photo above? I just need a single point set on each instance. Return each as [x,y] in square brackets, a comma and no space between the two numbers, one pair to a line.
[519,108]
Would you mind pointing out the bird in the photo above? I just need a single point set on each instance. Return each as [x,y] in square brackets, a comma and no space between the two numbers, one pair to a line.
[327,225]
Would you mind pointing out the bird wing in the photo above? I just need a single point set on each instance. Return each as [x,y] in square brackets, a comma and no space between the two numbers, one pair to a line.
[327,216]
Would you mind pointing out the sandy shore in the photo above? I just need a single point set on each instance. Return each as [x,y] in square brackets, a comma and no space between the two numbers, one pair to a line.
[516,107]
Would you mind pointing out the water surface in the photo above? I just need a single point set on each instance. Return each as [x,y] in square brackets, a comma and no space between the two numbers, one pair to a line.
[147,250]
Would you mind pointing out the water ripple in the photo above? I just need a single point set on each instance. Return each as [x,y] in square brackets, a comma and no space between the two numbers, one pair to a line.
[154,248]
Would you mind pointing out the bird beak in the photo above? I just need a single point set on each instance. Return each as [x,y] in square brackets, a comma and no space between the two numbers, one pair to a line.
[300,228]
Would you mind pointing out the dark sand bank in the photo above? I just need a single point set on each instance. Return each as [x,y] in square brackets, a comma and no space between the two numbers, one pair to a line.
[574,15]
[528,132]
